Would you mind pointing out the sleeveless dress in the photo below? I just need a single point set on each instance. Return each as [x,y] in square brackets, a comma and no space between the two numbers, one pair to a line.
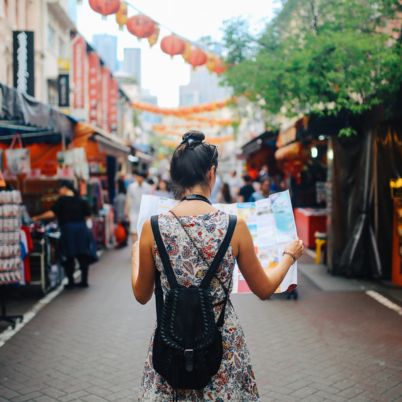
[235,379]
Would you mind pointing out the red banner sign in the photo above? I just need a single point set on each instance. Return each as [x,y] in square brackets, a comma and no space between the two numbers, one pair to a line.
[79,52]
[93,87]
[104,100]
[113,96]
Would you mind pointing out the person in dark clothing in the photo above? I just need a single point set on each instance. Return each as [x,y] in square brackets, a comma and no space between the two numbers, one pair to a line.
[247,190]
[72,212]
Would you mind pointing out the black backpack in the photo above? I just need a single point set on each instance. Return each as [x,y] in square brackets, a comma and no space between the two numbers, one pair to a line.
[187,349]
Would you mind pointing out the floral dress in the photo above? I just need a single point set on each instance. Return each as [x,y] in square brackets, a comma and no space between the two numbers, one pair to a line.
[235,379]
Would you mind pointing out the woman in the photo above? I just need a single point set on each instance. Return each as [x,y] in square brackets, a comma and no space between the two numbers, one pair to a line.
[72,212]
[193,168]
[225,196]
[263,192]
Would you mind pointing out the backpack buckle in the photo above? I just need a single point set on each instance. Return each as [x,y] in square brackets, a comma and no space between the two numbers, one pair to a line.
[188,358]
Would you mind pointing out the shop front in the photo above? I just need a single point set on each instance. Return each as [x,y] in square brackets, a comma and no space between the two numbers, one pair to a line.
[31,136]
[302,159]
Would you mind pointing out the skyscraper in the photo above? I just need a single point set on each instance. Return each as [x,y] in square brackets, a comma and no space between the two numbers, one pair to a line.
[132,63]
[106,46]
[203,88]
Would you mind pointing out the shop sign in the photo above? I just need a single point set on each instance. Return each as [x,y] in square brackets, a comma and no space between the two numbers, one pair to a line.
[24,62]
[79,52]
[114,89]
[63,90]
[93,86]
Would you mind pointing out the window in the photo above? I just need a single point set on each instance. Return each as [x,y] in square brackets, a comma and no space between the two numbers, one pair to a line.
[51,38]
[52,95]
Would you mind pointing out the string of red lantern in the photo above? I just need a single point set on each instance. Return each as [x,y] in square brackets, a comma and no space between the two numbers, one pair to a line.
[143,26]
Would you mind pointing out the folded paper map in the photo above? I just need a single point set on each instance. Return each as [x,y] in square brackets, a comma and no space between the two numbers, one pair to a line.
[271,224]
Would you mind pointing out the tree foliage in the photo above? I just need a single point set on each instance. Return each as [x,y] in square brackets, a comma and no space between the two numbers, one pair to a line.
[318,56]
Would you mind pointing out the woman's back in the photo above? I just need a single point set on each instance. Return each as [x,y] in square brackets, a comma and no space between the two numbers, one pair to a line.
[235,378]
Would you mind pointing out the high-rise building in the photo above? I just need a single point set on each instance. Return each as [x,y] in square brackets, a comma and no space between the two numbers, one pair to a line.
[132,64]
[106,46]
[203,88]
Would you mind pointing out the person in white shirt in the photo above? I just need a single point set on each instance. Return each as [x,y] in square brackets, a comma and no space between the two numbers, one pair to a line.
[133,201]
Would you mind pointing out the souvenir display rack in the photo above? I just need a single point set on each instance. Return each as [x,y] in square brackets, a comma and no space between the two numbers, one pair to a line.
[11,266]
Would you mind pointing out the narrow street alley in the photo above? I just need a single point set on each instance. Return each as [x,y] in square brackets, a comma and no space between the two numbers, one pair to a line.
[90,345]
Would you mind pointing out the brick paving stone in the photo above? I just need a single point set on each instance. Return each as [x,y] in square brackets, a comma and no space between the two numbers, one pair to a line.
[90,345]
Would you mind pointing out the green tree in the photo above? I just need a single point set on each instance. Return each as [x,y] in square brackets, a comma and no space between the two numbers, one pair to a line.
[318,56]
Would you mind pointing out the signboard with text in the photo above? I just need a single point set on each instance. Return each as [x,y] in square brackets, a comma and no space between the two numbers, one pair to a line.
[79,53]
[24,62]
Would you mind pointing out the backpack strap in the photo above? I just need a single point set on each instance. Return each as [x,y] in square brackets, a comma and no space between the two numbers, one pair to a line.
[221,252]
[167,266]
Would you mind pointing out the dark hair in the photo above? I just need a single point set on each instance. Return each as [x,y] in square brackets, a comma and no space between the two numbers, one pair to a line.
[226,193]
[247,178]
[68,184]
[191,161]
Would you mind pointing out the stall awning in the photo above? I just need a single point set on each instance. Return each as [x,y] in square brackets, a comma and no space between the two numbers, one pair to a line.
[106,143]
[267,138]
[111,146]
[33,120]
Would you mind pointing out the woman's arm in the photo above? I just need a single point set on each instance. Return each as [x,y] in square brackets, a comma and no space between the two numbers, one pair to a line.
[143,272]
[45,215]
[263,283]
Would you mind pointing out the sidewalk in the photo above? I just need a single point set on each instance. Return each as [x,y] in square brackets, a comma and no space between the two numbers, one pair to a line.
[90,345]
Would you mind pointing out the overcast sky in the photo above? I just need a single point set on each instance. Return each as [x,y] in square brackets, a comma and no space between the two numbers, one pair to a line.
[162,75]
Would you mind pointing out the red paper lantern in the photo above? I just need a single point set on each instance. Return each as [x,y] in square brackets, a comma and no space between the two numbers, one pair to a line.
[105,7]
[141,26]
[197,57]
[219,67]
[173,45]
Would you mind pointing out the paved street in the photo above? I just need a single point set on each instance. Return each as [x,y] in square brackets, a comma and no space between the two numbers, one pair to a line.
[90,345]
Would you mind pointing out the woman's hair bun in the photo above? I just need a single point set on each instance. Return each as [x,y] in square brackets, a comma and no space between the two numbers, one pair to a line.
[193,136]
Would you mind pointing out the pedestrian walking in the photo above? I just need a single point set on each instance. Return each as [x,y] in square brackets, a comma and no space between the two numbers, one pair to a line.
[119,205]
[263,192]
[162,189]
[133,201]
[225,197]
[198,351]
[76,240]
[247,190]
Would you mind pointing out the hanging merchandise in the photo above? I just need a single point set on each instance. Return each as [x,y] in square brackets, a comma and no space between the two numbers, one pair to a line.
[121,15]
[17,159]
[11,267]
[105,7]
[154,37]
[141,26]
[173,45]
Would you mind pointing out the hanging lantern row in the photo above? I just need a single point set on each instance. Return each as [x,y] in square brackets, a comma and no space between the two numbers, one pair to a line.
[142,26]
[105,7]
[122,15]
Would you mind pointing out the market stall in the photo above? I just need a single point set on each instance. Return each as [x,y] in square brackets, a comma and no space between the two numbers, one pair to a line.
[31,136]
[103,153]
